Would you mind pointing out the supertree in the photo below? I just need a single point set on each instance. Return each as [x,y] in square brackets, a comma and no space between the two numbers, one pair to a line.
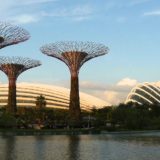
[13,67]
[74,55]
[11,34]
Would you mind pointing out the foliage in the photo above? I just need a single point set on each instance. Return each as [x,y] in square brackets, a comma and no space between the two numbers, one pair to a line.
[121,117]
[40,101]
[7,120]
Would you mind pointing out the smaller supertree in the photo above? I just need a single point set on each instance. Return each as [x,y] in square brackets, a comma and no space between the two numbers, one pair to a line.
[10,34]
[13,67]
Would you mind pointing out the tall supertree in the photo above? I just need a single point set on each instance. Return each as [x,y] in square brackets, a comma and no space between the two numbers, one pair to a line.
[74,55]
[11,34]
[13,67]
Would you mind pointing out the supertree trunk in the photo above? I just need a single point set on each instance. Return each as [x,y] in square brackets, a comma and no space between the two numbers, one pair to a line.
[11,107]
[74,106]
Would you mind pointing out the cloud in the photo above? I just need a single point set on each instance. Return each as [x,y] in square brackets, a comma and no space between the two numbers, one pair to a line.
[31,11]
[24,19]
[123,85]
[92,86]
[76,13]
[112,93]
[112,97]
[30,2]
[152,13]
[17,3]
[127,82]
[137,2]
[112,4]
[14,10]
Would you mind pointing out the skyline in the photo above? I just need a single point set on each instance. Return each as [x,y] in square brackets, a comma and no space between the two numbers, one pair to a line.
[128,28]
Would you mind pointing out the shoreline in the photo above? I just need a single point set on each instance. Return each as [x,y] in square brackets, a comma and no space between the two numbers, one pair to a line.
[20,132]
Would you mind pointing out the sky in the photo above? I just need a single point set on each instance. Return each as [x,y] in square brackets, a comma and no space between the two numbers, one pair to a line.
[130,28]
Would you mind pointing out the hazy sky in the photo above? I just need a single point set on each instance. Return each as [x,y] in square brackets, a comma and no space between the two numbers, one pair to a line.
[130,28]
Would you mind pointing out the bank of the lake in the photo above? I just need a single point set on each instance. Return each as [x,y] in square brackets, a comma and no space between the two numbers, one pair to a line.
[33,132]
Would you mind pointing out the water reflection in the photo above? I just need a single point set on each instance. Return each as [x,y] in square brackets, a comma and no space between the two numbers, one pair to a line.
[143,139]
[73,148]
[39,147]
[83,147]
[9,149]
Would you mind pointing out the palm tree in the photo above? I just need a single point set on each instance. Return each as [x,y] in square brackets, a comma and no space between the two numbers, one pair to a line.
[40,102]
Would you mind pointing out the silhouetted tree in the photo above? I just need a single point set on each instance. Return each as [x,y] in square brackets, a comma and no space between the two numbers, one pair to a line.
[40,102]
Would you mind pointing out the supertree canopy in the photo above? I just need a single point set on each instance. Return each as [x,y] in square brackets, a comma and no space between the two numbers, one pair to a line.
[10,34]
[13,67]
[74,55]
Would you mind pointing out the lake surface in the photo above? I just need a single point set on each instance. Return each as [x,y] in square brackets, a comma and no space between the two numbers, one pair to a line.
[143,146]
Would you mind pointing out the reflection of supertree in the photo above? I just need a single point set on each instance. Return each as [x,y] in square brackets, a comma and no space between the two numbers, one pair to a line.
[10,34]
[9,148]
[74,55]
[73,147]
[13,67]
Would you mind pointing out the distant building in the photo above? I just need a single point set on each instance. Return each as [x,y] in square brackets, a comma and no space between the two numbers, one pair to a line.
[56,97]
[145,93]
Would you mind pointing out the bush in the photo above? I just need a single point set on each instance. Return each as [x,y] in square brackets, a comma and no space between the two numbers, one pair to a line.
[7,121]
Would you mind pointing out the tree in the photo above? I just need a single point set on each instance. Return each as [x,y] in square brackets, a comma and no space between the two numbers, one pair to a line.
[40,102]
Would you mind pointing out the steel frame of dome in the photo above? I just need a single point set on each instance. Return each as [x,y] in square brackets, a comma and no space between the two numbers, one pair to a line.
[145,93]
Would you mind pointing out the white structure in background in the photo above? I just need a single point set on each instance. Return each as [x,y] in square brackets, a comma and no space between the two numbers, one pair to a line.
[145,93]
[56,97]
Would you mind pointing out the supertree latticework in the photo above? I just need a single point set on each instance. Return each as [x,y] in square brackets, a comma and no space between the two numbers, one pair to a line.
[74,55]
[13,67]
[10,34]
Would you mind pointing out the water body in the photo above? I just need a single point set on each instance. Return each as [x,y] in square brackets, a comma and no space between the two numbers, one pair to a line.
[144,146]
